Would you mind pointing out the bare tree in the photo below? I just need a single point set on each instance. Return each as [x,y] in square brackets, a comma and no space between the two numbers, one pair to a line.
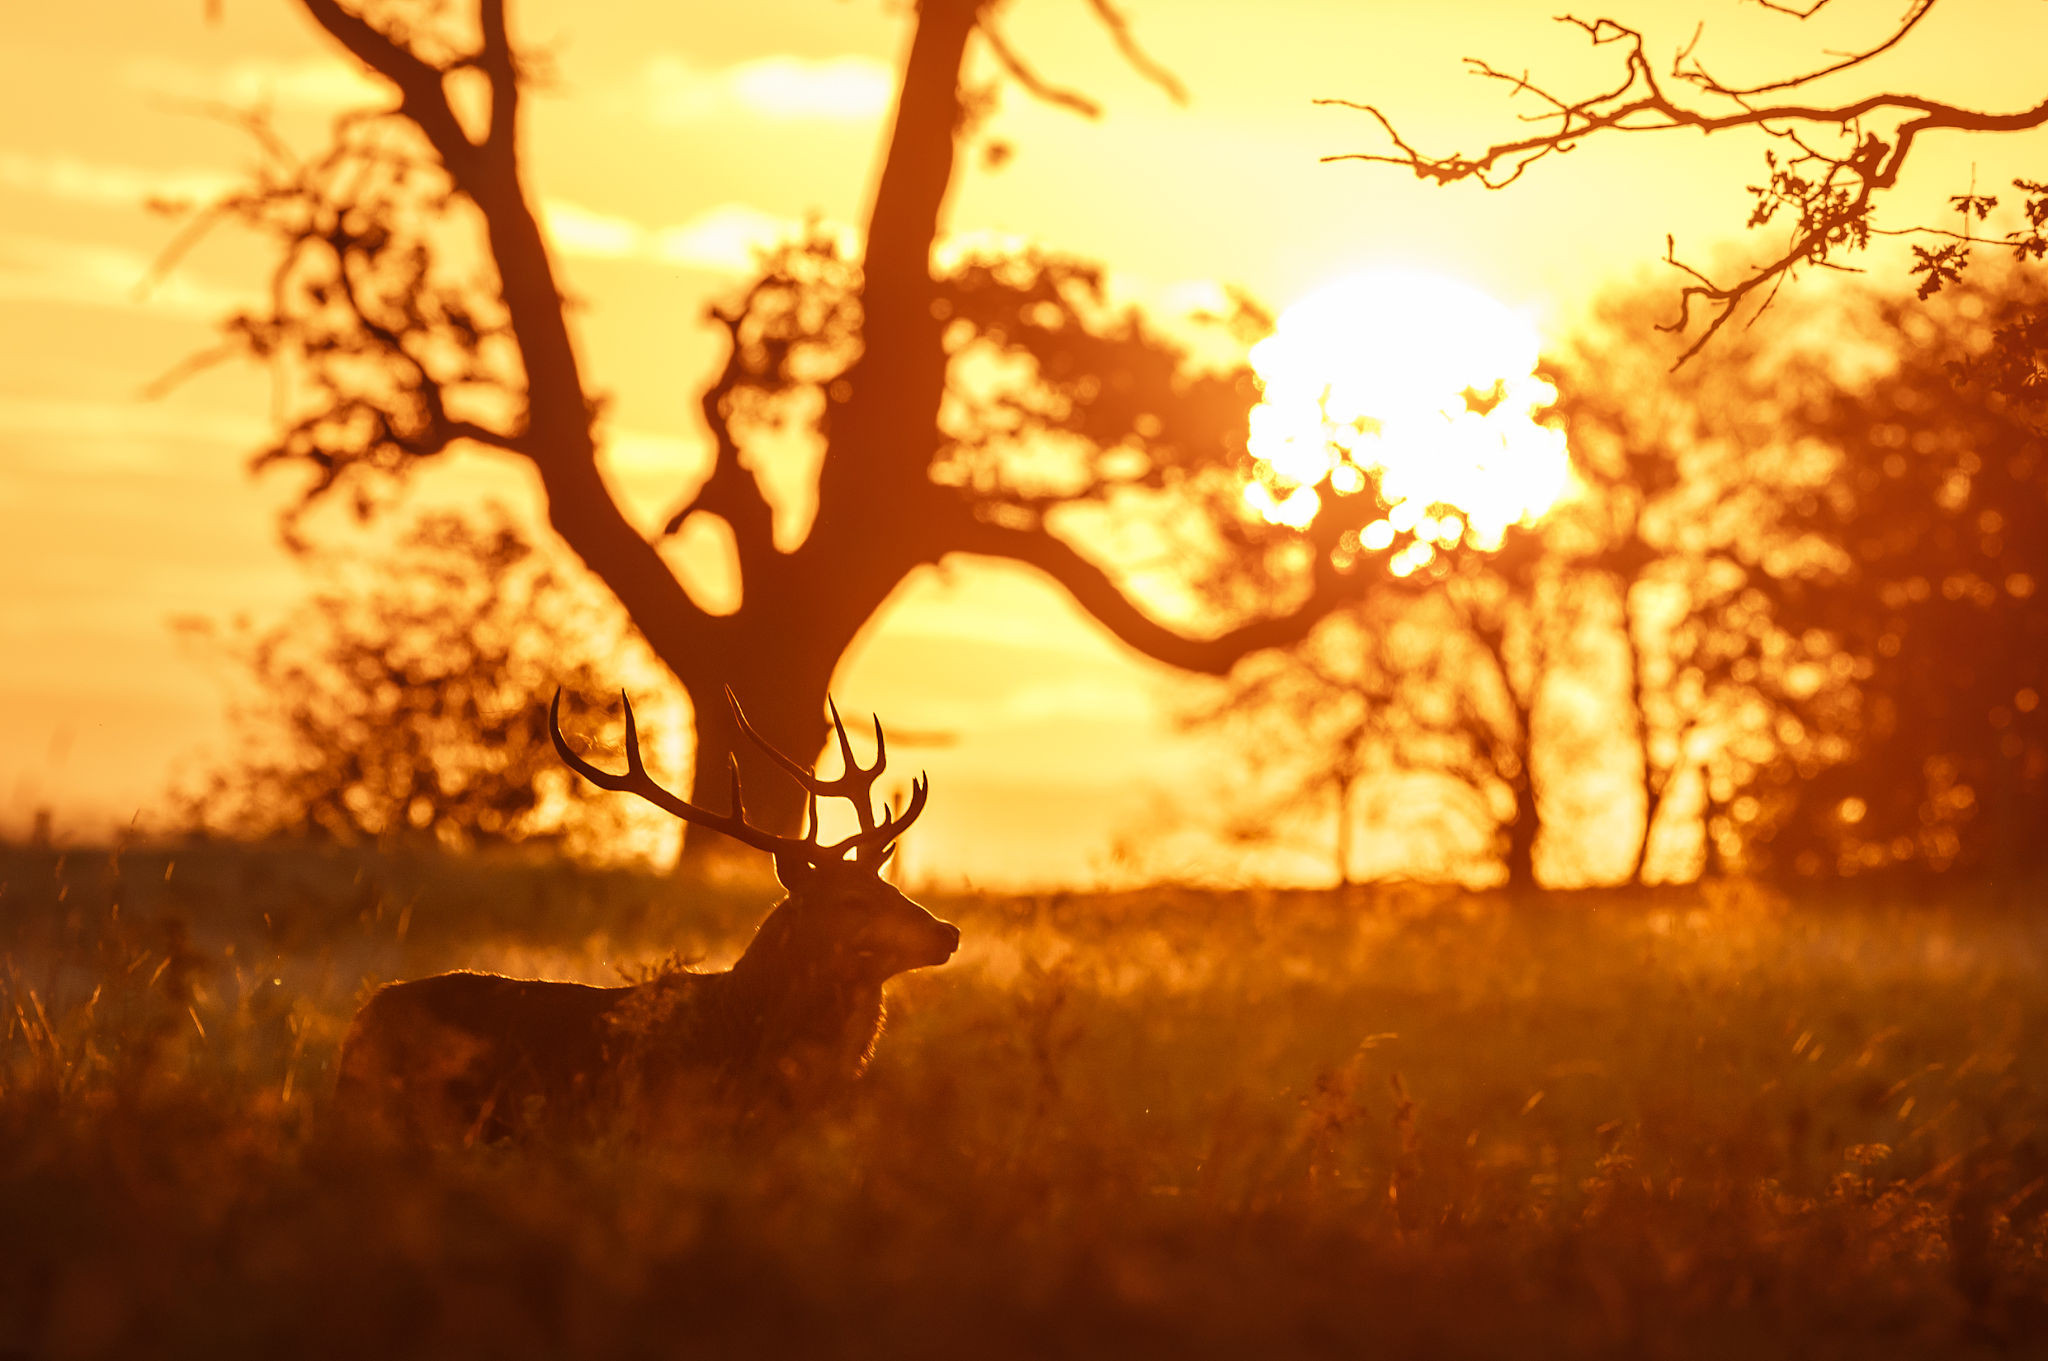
[1504,635]
[1315,723]
[1827,164]
[1438,680]
[415,307]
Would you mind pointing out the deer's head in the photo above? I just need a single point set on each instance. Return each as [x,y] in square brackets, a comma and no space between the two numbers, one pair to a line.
[841,917]
[844,921]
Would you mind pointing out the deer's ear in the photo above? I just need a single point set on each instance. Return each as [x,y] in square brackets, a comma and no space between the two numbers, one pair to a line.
[793,872]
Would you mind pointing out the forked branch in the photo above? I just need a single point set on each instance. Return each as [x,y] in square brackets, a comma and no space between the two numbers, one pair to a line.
[1119,28]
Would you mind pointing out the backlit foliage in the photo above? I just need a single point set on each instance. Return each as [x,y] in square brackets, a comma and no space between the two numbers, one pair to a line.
[1940,500]
[1797,588]
[1061,406]
[383,325]
[408,700]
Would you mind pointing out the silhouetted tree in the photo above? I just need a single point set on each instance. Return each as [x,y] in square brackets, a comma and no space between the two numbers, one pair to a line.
[1693,489]
[1002,407]
[1678,556]
[1940,503]
[1507,622]
[1314,723]
[1828,162]
[1438,680]
[401,706]
[1831,544]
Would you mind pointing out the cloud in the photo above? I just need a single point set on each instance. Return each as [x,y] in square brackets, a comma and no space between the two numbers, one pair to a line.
[80,181]
[578,231]
[117,434]
[82,274]
[724,239]
[307,85]
[1081,699]
[672,91]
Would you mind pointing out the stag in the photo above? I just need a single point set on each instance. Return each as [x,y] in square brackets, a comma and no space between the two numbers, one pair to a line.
[470,1057]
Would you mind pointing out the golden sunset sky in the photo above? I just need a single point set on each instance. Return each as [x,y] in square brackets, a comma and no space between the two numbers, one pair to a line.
[677,138]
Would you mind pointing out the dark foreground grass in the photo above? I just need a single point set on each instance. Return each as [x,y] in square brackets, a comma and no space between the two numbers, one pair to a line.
[1708,1123]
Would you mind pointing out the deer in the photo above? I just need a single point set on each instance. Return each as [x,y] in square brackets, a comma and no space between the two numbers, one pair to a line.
[468,1057]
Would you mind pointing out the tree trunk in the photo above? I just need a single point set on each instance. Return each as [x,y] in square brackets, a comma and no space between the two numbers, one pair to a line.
[1653,788]
[1520,855]
[874,520]
[1344,837]
[1519,770]
[780,679]
[1511,752]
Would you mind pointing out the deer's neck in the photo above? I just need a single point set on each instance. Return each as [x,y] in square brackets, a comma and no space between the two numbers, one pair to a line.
[801,1009]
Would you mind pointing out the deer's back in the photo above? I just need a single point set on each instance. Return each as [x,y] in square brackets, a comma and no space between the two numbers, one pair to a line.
[472,1056]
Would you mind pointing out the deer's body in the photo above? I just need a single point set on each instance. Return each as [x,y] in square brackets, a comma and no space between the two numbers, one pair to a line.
[468,1057]
[473,1056]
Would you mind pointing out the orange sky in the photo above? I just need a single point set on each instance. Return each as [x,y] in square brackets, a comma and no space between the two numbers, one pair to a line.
[677,137]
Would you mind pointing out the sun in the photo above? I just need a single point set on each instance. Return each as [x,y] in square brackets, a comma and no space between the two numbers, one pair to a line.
[1421,382]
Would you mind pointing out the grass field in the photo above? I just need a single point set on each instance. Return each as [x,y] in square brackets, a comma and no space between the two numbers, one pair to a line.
[1698,1123]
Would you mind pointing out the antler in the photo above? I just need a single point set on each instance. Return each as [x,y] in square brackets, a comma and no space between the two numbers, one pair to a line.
[636,780]
[872,846]
[868,845]
[855,784]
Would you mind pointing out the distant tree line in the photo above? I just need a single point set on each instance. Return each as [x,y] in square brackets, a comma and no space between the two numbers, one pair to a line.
[1798,592]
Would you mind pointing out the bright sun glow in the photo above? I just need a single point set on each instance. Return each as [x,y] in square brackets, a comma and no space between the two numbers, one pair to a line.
[1422,381]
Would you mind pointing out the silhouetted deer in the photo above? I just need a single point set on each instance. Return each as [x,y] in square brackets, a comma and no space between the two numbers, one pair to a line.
[464,1057]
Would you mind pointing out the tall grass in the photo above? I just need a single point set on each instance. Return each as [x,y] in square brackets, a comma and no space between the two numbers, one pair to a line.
[1700,1123]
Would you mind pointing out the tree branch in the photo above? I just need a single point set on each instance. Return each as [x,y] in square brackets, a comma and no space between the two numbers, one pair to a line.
[1141,61]
[1919,10]
[1057,95]
[1096,592]
[731,492]
[1830,194]
[352,224]
[423,95]
[497,61]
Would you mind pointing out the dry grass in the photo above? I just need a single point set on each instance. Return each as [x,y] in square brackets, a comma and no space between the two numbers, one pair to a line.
[1706,1123]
